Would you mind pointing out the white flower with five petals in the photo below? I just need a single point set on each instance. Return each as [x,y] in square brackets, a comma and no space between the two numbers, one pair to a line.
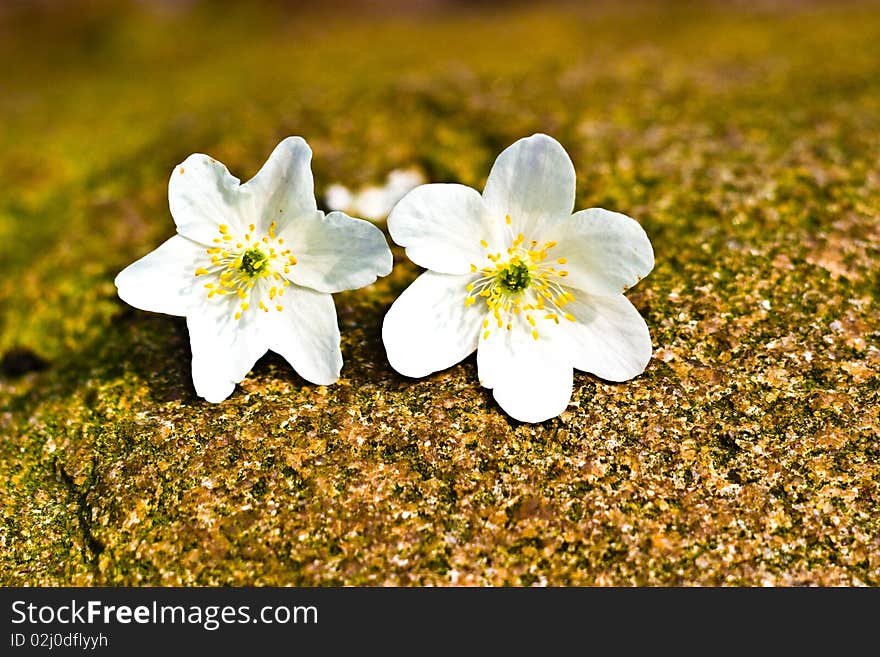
[536,290]
[252,268]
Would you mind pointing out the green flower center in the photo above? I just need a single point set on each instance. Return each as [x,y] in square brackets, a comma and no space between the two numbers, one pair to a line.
[253,261]
[514,277]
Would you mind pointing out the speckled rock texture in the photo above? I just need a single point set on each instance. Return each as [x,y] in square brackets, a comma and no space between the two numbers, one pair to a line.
[744,138]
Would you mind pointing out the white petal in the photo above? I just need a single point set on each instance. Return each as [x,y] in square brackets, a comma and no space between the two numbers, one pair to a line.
[530,379]
[162,280]
[609,338]
[606,252]
[306,334]
[283,188]
[533,180]
[441,226]
[429,328]
[336,252]
[373,203]
[222,355]
[338,197]
[202,194]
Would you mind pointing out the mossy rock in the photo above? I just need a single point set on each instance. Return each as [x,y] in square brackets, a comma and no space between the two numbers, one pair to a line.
[745,143]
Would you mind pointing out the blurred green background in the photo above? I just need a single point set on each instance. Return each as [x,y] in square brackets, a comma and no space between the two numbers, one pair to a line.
[744,137]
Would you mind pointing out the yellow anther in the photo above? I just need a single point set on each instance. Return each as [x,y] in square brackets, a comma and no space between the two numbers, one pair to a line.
[484,244]
[486,335]
[469,287]
[242,294]
[485,323]
[569,317]
[209,285]
[245,306]
[549,245]
[470,301]
[535,334]
[280,241]
[227,238]
[563,273]
[279,308]
[272,230]
[562,261]
[237,315]
[531,319]
[252,228]
[473,269]
[201,271]
[224,228]
[507,219]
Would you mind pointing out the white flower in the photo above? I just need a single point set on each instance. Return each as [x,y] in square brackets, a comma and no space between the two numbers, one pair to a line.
[535,289]
[252,268]
[373,202]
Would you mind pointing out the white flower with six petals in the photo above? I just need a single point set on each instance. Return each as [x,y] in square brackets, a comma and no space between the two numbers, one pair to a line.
[536,290]
[252,268]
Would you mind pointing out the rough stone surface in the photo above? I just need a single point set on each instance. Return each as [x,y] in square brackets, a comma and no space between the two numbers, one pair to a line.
[746,142]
